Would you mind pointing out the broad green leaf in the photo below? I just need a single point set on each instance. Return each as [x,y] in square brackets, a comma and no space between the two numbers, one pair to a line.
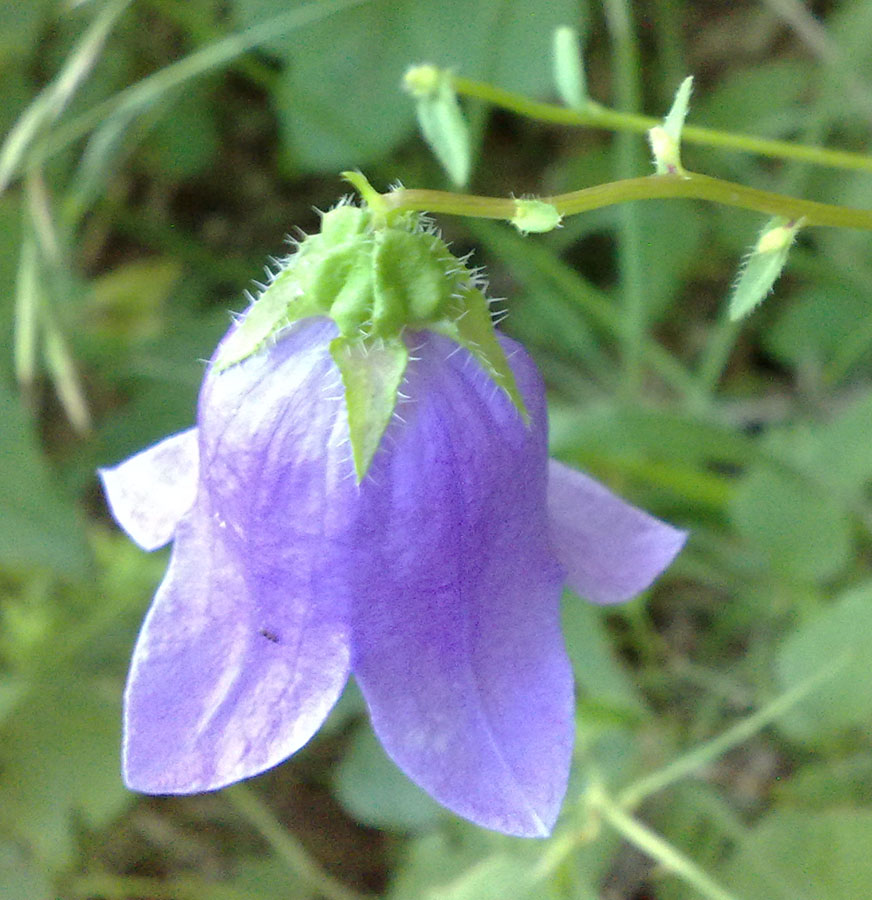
[60,762]
[802,531]
[845,701]
[338,100]
[372,372]
[376,793]
[674,235]
[503,876]
[802,855]
[819,324]
[744,99]
[602,679]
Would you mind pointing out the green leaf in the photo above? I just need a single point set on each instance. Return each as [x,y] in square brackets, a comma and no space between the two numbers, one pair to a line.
[39,526]
[801,530]
[763,266]
[798,855]
[337,100]
[820,323]
[60,759]
[372,372]
[845,701]
[376,793]
[503,876]
[263,318]
[602,679]
[441,120]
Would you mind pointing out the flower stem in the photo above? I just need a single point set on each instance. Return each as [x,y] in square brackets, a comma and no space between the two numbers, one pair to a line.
[650,187]
[658,849]
[706,753]
[287,847]
[594,115]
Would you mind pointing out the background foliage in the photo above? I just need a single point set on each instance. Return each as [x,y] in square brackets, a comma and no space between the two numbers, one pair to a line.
[150,180]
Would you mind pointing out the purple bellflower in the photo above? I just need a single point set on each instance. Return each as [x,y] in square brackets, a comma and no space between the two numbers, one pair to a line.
[425,553]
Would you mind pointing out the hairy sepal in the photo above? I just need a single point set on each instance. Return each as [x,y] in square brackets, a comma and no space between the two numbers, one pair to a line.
[372,372]
[470,325]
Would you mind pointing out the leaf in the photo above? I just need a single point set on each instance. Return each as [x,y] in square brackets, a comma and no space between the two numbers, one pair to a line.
[665,139]
[338,99]
[802,531]
[60,761]
[845,701]
[797,855]
[819,324]
[598,673]
[376,793]
[39,526]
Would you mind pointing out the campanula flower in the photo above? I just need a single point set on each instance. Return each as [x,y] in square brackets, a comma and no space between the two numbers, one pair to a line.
[426,554]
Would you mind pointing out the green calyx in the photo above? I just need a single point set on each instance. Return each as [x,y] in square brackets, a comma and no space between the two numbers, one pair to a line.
[375,278]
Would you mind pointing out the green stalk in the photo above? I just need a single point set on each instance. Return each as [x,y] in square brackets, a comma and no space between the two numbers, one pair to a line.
[707,753]
[650,187]
[598,116]
[286,846]
[660,850]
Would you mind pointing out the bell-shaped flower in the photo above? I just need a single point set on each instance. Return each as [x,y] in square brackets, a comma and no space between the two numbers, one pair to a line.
[426,554]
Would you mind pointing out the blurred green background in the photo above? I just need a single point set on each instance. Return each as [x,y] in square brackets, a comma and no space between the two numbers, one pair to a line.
[158,161]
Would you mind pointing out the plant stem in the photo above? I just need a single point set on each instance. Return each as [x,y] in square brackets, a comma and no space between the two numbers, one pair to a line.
[285,845]
[649,187]
[660,850]
[598,116]
[706,753]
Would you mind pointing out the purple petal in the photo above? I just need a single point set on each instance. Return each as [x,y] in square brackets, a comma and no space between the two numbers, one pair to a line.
[610,549]
[245,649]
[150,492]
[456,636]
